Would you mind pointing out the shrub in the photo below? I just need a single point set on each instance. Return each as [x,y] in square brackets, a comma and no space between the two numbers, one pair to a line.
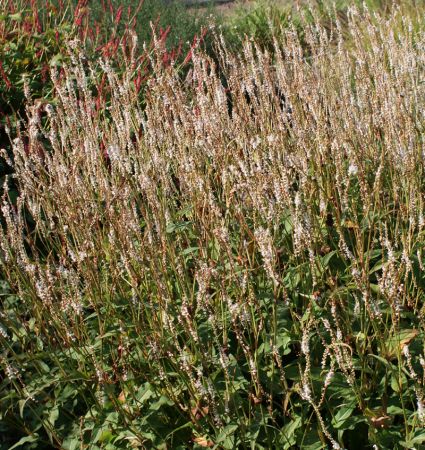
[195,279]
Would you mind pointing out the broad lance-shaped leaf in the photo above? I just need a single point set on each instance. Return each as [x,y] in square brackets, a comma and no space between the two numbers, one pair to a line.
[342,415]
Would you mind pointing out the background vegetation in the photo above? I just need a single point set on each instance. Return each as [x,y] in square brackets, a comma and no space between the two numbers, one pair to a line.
[216,244]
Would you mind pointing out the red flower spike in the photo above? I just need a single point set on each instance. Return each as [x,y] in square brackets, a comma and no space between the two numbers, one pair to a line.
[118,15]
[4,76]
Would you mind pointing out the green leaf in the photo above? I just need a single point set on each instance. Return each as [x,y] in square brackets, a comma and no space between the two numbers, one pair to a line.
[395,410]
[326,259]
[56,60]
[102,434]
[283,341]
[17,17]
[342,415]
[105,436]
[21,405]
[53,415]
[398,381]
[189,250]
[380,359]
[71,444]
[227,431]
[292,372]
[418,439]
[163,400]
[374,288]
[43,366]
[311,440]
[176,227]
[145,394]
[287,433]
[25,440]
[315,446]
[182,427]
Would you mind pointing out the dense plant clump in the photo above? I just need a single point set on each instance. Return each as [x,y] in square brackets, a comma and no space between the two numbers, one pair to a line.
[34,36]
[182,275]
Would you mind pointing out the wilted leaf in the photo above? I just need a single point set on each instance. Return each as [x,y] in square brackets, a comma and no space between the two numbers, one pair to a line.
[121,397]
[350,225]
[199,412]
[396,342]
[381,421]
[203,442]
